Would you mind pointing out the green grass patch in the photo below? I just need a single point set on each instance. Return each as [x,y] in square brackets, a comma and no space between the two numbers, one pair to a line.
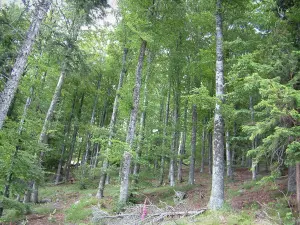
[11,215]
[81,210]
[43,209]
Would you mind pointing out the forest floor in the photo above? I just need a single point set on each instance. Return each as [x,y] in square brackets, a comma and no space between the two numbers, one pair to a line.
[247,202]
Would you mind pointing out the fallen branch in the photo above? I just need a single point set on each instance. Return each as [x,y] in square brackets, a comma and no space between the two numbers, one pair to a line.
[161,214]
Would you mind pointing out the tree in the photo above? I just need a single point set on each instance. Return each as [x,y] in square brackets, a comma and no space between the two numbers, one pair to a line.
[11,85]
[217,192]
[131,128]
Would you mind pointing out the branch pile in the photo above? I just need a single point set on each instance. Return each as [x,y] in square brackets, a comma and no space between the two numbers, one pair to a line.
[136,215]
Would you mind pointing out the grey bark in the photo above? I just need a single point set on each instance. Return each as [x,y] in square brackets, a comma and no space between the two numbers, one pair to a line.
[182,144]
[92,121]
[43,135]
[74,137]
[113,120]
[51,108]
[217,191]
[292,179]
[193,145]
[210,147]
[203,148]
[141,134]
[298,185]
[63,147]
[12,83]
[162,162]
[229,172]
[253,161]
[131,128]
[173,153]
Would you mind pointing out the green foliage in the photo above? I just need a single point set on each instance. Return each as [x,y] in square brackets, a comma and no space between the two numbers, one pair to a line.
[80,210]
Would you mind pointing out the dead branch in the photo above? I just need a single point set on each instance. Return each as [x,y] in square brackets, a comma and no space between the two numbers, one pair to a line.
[161,214]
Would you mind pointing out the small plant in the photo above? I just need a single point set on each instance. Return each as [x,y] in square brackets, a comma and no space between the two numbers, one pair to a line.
[51,217]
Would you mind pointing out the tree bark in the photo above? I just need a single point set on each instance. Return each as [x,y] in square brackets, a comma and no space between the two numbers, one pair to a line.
[131,128]
[228,157]
[182,144]
[193,145]
[11,85]
[298,185]
[253,161]
[141,134]
[217,191]
[113,120]
[92,121]
[51,108]
[74,137]
[203,148]
[210,152]
[162,162]
[63,147]
[292,184]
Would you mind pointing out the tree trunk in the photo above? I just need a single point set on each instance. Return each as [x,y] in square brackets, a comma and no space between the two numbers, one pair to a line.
[298,185]
[183,142]
[15,155]
[12,83]
[180,154]
[173,160]
[141,135]
[193,145]
[131,128]
[74,137]
[63,147]
[292,184]
[92,121]
[43,135]
[162,162]
[203,148]
[111,128]
[217,191]
[51,108]
[253,161]
[210,152]
[228,156]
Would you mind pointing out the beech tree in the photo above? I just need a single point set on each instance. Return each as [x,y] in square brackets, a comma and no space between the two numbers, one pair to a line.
[11,85]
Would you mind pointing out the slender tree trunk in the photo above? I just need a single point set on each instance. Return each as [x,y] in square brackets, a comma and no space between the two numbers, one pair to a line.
[217,191]
[15,155]
[182,144]
[92,121]
[180,154]
[63,147]
[131,128]
[175,138]
[193,145]
[298,185]
[51,108]
[292,184]
[162,162]
[228,156]
[74,137]
[203,149]
[253,161]
[111,128]
[43,135]
[141,135]
[210,152]
[12,83]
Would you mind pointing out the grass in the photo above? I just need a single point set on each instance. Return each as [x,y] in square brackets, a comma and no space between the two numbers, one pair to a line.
[81,210]
[224,216]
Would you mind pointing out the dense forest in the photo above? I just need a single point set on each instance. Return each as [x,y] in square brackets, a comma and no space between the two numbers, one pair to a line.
[120,105]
